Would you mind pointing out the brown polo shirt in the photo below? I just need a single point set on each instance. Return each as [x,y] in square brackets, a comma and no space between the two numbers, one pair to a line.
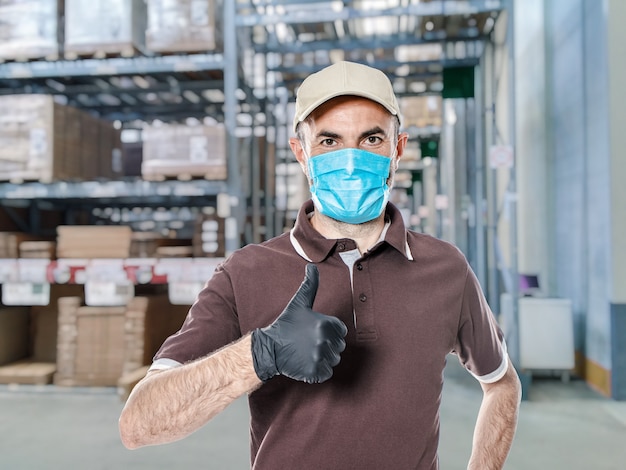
[409,302]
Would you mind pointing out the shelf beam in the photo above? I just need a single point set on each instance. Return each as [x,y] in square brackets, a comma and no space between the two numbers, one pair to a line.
[377,42]
[111,67]
[433,8]
[116,189]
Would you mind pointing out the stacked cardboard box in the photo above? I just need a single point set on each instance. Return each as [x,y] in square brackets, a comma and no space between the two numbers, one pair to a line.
[90,344]
[181,26]
[97,346]
[175,150]
[135,334]
[93,241]
[10,243]
[45,141]
[149,320]
[38,249]
[29,29]
[209,239]
[104,27]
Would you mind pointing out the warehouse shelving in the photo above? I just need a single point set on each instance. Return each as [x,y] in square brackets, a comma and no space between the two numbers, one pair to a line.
[268,48]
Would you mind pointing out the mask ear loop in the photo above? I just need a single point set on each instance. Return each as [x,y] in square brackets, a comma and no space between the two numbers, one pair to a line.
[393,167]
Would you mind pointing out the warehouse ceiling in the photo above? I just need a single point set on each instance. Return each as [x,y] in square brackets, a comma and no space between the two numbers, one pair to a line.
[279,42]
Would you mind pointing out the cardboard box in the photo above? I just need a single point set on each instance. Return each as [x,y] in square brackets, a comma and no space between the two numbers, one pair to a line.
[93,241]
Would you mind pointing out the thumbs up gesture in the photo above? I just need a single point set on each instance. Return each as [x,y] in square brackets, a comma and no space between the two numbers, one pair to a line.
[301,344]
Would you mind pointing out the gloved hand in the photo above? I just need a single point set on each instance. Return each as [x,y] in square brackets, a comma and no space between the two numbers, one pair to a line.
[301,344]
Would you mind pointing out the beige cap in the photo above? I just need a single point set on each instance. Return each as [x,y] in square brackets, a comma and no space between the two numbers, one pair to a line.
[340,79]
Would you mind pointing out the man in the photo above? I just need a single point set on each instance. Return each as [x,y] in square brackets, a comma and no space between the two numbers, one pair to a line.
[343,369]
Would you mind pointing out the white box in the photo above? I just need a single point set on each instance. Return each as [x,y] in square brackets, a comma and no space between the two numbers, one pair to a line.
[546,332]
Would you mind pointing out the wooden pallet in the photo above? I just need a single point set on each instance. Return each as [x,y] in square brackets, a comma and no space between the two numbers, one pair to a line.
[109,51]
[166,174]
[30,56]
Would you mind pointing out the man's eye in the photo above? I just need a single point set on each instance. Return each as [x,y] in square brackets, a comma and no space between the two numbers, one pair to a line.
[328,142]
[373,139]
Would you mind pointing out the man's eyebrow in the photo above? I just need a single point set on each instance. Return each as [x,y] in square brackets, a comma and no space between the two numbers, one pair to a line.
[365,134]
[328,135]
[372,131]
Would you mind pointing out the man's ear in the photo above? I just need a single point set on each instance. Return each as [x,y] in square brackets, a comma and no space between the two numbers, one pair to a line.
[403,138]
[298,151]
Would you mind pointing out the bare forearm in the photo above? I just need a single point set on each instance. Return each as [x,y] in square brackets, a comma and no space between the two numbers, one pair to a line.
[170,405]
[496,423]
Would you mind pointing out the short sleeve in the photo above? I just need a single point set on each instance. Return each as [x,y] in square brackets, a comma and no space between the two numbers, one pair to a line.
[211,323]
[480,344]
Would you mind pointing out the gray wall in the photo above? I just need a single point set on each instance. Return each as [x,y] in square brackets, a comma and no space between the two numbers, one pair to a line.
[566,212]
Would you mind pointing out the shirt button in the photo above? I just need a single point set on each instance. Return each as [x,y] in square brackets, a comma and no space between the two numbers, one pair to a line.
[362,297]
[359,267]
[341,246]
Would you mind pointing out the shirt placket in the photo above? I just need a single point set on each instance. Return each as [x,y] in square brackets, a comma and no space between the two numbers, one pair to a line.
[362,290]
[363,301]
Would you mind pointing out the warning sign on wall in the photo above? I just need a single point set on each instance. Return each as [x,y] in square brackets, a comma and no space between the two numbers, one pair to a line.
[501,156]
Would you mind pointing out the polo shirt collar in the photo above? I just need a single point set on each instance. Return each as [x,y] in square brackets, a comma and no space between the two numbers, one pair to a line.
[314,247]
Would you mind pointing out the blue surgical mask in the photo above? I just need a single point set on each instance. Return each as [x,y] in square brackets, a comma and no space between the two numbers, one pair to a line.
[350,185]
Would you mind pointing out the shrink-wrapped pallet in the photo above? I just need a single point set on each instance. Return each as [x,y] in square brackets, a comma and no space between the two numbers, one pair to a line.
[104,27]
[29,29]
[176,150]
[421,111]
[181,26]
[41,140]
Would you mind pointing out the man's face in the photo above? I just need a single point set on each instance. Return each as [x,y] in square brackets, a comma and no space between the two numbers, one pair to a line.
[349,122]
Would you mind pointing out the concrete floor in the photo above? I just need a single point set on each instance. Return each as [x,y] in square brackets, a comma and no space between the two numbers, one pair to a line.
[562,426]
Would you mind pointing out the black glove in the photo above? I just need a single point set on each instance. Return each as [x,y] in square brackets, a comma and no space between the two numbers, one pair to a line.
[301,344]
